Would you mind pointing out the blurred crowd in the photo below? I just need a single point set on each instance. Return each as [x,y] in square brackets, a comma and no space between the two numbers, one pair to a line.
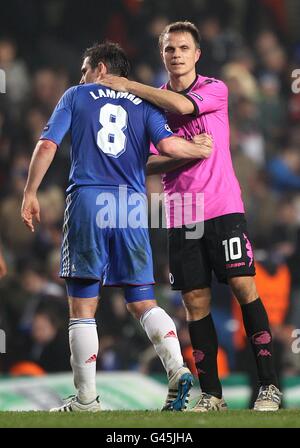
[253,46]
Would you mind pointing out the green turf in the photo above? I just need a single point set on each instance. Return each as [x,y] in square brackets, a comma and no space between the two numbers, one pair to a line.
[150,419]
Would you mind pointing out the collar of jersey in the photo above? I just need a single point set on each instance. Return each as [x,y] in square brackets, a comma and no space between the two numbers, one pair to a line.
[185,90]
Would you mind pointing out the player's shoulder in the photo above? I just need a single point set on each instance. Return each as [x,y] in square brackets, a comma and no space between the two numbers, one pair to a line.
[72,89]
[215,85]
[81,88]
[69,93]
[151,108]
[80,91]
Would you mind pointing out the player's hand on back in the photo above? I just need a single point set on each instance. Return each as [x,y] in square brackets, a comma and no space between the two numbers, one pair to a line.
[114,82]
[205,142]
[30,210]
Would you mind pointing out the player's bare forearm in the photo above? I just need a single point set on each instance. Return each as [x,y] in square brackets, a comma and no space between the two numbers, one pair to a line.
[179,148]
[41,160]
[165,99]
[199,148]
[161,164]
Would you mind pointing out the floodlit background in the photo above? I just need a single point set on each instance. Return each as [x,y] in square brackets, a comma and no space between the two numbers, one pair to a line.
[254,46]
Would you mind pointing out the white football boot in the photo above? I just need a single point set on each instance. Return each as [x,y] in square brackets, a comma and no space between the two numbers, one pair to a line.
[208,403]
[73,404]
[268,399]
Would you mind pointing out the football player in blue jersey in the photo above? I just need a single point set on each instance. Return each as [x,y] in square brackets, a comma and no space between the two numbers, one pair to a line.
[102,242]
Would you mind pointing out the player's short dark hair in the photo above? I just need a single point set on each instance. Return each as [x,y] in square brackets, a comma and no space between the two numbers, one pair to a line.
[181,27]
[112,55]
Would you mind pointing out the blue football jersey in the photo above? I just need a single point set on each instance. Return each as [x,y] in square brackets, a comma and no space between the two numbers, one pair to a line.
[110,135]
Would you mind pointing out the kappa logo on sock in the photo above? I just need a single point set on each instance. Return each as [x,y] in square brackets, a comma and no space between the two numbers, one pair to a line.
[199,355]
[262,337]
[93,358]
[171,334]
[263,352]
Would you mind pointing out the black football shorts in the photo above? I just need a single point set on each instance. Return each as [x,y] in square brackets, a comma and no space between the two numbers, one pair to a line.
[223,248]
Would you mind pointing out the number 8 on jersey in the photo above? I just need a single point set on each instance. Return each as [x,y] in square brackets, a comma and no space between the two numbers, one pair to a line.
[111,138]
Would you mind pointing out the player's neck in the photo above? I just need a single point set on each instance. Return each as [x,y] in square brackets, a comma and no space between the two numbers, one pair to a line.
[180,83]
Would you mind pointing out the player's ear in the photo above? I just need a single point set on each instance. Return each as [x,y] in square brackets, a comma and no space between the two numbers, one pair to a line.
[198,54]
[102,69]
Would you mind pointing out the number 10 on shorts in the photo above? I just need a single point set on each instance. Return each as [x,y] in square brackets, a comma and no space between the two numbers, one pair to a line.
[233,249]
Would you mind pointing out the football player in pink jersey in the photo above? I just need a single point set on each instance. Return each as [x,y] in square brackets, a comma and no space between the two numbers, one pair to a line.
[196,104]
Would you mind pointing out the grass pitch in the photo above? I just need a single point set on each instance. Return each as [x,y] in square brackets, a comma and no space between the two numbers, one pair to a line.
[151,419]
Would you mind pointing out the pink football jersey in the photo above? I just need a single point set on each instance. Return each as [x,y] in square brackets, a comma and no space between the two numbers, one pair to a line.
[207,188]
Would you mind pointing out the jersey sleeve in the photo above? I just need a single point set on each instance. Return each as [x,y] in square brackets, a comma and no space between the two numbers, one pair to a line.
[61,118]
[210,97]
[157,125]
[152,150]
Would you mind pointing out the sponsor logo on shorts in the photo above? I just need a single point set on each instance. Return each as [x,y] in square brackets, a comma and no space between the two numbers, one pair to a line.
[235,265]
[171,278]
[249,249]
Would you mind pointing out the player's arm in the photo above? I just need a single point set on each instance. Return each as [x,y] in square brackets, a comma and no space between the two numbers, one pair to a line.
[214,95]
[43,155]
[170,146]
[159,164]
[165,99]
[41,160]
[179,148]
